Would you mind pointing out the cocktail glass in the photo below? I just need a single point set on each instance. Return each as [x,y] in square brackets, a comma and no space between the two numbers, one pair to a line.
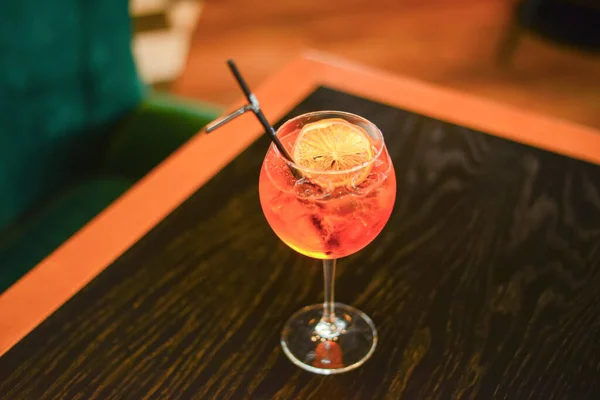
[328,215]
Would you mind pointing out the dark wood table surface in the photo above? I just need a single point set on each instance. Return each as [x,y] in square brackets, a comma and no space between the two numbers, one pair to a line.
[484,284]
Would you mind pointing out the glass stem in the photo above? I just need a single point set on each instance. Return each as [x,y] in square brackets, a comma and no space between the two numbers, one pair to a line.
[329,327]
[328,301]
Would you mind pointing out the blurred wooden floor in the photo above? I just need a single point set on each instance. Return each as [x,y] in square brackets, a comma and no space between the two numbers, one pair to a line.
[450,43]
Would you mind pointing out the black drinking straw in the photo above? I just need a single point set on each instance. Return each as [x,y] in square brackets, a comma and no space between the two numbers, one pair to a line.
[254,107]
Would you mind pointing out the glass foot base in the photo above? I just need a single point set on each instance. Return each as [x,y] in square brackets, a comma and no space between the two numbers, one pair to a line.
[329,348]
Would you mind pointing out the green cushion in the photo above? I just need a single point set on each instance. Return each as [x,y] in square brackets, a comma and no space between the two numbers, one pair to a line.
[157,127]
[21,248]
[67,74]
[138,142]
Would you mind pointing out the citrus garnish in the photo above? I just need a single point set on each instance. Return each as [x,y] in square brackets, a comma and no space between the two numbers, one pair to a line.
[332,145]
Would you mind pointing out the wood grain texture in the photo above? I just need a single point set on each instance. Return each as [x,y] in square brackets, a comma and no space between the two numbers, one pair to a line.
[484,284]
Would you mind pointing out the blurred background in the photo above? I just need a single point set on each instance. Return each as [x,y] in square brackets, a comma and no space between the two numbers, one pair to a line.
[78,127]
[498,49]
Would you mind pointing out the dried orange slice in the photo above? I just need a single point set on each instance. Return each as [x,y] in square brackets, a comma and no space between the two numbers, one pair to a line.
[332,145]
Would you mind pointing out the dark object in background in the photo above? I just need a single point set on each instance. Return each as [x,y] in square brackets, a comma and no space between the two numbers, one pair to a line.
[570,23]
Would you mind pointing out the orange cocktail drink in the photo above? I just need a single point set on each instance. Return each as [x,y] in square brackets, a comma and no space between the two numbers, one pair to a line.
[324,214]
[327,189]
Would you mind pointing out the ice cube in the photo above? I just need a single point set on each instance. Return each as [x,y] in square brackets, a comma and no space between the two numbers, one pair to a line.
[305,189]
[373,181]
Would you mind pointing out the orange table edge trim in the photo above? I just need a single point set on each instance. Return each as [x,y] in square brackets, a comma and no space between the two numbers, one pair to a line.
[87,253]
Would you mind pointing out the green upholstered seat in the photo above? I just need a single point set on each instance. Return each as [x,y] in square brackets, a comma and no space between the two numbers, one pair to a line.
[77,126]
[27,243]
[153,130]
[67,74]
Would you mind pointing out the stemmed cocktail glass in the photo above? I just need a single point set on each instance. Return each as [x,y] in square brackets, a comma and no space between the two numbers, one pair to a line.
[328,211]
[327,188]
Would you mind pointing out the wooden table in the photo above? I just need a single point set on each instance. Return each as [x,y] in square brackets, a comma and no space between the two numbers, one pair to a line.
[484,284]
